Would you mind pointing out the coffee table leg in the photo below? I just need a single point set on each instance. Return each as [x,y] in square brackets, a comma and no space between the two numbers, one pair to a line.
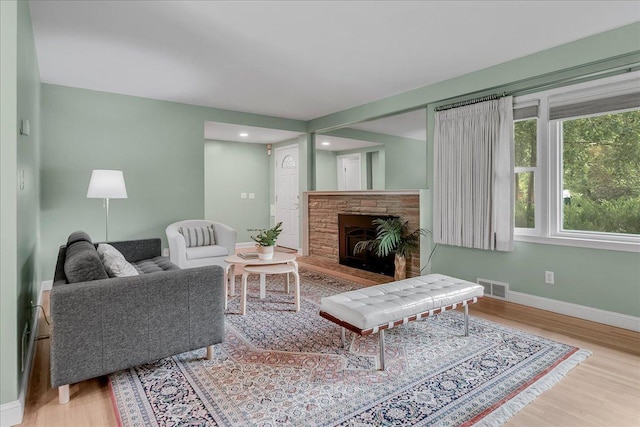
[243,294]
[263,286]
[232,279]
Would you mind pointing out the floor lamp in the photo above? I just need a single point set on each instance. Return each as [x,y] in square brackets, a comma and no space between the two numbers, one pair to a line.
[106,184]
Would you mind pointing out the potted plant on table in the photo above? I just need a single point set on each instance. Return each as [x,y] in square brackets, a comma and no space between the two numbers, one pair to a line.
[266,240]
[393,237]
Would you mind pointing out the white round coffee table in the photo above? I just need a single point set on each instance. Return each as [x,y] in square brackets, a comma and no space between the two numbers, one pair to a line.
[233,260]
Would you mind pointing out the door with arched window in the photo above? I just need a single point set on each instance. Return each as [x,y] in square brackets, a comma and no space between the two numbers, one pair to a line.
[288,196]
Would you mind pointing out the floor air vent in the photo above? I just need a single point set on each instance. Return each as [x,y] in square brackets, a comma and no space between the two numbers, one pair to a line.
[494,289]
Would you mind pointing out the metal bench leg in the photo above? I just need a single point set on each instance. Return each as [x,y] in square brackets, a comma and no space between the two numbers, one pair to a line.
[466,320]
[381,339]
[342,338]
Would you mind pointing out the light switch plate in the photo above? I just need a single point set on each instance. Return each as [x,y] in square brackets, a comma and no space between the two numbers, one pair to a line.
[243,195]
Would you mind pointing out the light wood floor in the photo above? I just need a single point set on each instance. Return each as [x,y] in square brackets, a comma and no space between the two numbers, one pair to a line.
[603,391]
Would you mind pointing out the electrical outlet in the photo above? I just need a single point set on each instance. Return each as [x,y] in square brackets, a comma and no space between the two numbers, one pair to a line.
[165,252]
[243,195]
[548,277]
[252,195]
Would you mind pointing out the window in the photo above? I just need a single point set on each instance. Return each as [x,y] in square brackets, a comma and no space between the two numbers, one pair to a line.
[601,173]
[526,148]
[577,165]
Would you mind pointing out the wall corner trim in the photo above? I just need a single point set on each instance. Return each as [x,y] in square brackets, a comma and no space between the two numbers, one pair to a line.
[580,311]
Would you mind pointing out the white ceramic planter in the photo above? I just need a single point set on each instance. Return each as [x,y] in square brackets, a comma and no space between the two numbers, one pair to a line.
[264,252]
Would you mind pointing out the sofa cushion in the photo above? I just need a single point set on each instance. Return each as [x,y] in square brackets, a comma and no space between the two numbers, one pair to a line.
[207,252]
[114,262]
[78,236]
[155,265]
[198,236]
[82,263]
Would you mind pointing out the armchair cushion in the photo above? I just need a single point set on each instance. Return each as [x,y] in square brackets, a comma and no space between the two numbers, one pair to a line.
[82,263]
[198,236]
[207,252]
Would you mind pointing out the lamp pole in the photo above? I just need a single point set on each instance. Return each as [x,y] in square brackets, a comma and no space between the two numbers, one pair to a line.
[106,227]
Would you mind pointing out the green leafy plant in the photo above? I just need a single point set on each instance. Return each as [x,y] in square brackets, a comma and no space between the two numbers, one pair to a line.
[392,237]
[267,236]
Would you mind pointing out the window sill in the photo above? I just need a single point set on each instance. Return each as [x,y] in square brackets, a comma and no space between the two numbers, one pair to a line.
[609,245]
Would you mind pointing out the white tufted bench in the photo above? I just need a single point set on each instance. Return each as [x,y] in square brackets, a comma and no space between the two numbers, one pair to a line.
[372,310]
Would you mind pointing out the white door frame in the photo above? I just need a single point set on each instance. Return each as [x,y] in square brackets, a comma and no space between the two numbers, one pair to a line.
[275,184]
[340,168]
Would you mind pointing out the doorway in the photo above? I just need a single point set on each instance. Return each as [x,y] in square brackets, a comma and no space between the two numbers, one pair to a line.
[288,196]
[349,175]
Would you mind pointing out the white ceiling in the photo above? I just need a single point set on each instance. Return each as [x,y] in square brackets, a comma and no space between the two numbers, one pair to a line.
[297,60]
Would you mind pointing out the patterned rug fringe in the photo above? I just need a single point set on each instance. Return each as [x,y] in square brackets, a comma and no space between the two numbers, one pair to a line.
[515,405]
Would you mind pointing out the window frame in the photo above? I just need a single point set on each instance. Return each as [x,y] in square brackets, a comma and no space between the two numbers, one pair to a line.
[536,183]
[548,208]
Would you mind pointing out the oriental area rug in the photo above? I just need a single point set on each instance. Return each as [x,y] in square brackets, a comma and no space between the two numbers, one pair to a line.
[282,368]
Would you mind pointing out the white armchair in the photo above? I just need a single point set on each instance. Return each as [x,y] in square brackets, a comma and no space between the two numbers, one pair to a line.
[200,256]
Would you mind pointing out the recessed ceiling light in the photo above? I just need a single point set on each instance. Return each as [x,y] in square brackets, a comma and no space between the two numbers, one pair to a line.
[243,134]
[326,143]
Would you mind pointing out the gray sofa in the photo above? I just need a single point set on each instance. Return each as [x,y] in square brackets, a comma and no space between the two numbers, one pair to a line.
[109,324]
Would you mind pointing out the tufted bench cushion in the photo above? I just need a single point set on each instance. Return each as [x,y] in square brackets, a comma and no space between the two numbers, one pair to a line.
[371,307]
[372,310]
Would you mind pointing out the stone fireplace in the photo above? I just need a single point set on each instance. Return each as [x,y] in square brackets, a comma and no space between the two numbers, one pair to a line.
[353,229]
[321,236]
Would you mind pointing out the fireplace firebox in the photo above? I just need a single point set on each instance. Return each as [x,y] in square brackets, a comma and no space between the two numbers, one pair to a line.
[353,229]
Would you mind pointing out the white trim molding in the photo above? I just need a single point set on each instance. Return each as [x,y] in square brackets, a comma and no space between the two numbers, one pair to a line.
[11,413]
[611,318]
[242,245]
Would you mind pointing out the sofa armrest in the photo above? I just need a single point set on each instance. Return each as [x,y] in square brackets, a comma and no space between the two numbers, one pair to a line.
[103,326]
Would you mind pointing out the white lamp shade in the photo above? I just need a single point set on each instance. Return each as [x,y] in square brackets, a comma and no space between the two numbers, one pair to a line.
[107,184]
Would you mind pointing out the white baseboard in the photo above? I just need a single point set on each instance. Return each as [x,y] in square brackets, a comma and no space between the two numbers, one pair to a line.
[580,311]
[241,245]
[11,413]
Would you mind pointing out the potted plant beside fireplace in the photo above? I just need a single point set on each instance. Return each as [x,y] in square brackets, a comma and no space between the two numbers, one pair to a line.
[266,240]
[393,237]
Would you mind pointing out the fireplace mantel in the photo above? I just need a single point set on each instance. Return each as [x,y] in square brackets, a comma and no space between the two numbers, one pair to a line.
[320,211]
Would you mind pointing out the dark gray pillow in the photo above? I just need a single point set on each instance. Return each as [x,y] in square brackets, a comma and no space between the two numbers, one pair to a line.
[78,236]
[82,263]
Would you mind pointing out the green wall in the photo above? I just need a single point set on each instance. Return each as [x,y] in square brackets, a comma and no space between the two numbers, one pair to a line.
[607,280]
[8,201]
[231,168]
[19,190]
[326,170]
[403,158]
[158,145]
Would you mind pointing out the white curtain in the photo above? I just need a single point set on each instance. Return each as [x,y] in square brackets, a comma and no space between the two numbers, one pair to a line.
[473,185]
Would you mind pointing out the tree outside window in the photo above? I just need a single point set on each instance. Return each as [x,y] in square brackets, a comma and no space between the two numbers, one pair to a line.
[601,173]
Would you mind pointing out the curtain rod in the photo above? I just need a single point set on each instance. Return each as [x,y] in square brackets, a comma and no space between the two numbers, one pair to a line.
[469,102]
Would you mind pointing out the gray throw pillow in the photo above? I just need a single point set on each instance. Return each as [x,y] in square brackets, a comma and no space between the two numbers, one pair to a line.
[78,236]
[198,236]
[114,262]
[82,263]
